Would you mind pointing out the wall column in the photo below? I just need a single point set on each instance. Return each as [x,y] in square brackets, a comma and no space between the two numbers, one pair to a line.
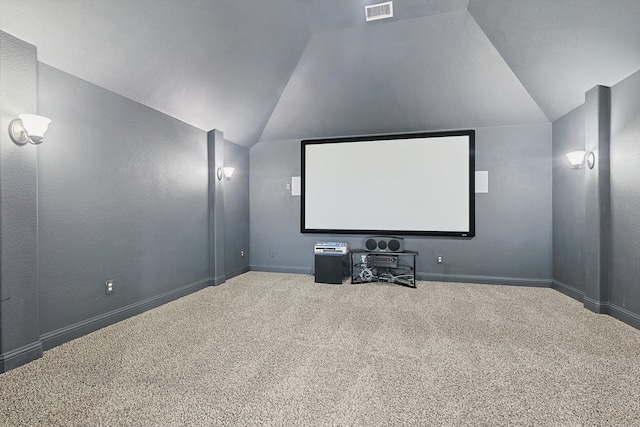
[597,199]
[19,294]
[215,145]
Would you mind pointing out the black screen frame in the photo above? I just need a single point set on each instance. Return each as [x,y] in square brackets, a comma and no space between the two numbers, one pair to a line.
[441,233]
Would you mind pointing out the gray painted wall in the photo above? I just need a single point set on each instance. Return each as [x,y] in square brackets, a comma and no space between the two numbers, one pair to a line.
[570,226]
[123,195]
[624,262]
[236,211]
[513,221]
[118,191]
[568,205]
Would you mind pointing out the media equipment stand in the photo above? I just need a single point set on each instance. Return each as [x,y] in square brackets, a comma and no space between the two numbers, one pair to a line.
[392,267]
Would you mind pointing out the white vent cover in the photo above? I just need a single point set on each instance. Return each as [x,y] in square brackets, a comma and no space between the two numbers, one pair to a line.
[378,11]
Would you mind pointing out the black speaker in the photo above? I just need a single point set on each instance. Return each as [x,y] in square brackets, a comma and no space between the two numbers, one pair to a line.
[383,244]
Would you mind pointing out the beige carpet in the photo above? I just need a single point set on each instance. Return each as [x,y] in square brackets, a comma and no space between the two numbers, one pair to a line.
[279,349]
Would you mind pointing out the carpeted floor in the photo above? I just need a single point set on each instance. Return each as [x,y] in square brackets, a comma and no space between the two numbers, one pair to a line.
[279,349]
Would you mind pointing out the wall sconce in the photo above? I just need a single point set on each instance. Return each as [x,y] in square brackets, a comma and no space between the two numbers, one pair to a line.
[579,158]
[28,128]
[227,172]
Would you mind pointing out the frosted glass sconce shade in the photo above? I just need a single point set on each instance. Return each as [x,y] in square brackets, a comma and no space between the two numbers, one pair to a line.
[226,172]
[28,128]
[579,158]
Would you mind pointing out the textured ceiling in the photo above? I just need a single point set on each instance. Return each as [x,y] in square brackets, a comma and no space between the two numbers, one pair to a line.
[280,69]
[215,64]
[437,72]
[326,15]
[559,49]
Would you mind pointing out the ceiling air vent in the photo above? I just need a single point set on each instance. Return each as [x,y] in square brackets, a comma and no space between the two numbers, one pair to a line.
[379,11]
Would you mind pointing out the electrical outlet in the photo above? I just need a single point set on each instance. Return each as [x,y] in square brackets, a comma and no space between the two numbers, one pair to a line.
[242,253]
[272,253]
[108,287]
[439,259]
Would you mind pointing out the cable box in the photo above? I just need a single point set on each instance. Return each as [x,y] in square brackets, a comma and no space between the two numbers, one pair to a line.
[340,248]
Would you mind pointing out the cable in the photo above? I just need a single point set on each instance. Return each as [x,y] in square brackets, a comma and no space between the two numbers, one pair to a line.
[366,275]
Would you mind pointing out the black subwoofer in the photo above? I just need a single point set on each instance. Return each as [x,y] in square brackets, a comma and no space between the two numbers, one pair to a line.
[383,244]
[331,268]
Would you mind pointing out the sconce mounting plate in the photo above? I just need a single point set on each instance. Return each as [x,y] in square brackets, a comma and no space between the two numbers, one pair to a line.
[17,132]
[591,160]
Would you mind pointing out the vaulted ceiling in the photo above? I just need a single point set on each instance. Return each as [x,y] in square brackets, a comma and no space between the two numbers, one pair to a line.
[262,70]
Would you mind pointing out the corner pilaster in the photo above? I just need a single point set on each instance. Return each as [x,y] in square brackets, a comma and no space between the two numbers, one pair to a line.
[215,145]
[597,199]
[19,291]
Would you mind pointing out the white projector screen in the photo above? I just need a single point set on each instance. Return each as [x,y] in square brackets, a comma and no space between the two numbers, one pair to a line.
[411,184]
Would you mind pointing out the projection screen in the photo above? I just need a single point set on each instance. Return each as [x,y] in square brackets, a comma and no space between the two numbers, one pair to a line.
[409,184]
